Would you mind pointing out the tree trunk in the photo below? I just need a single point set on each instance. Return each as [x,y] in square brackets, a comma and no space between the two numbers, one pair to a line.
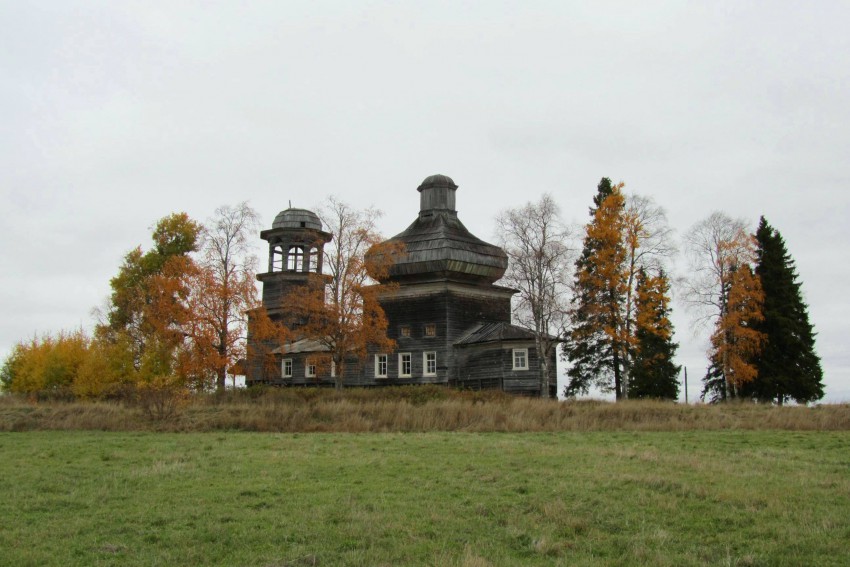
[618,385]
[221,377]
[543,362]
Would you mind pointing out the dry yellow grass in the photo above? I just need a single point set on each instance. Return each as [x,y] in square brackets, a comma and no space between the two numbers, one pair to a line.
[415,410]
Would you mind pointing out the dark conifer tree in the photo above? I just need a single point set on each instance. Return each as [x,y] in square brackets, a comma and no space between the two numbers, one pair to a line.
[653,373]
[788,366]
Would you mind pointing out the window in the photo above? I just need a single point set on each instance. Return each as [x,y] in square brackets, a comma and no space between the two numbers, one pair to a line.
[310,370]
[286,368]
[276,260]
[404,331]
[429,363]
[431,330]
[405,365]
[314,260]
[295,260]
[380,366]
[520,359]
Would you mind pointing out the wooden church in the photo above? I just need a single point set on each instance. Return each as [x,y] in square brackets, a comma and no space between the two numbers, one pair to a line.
[451,323]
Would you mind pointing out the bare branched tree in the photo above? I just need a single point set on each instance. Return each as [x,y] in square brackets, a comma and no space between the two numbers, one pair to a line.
[224,290]
[540,260]
[649,244]
[722,290]
[713,246]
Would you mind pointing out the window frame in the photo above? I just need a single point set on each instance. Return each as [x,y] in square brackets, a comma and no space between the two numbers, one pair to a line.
[401,362]
[283,364]
[309,370]
[404,331]
[379,362]
[295,258]
[425,371]
[432,327]
[524,353]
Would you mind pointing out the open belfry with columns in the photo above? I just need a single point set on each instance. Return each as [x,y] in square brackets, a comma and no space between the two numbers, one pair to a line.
[450,321]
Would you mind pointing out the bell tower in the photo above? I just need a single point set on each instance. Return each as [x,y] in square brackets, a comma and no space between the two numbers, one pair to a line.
[296,243]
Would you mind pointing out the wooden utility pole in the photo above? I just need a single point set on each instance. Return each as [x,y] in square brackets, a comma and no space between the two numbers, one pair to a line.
[686,384]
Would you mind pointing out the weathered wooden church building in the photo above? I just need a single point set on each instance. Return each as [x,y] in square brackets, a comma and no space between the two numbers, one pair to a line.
[450,322]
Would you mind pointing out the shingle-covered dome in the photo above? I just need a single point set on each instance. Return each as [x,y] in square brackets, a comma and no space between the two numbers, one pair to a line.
[437,181]
[438,246]
[297,218]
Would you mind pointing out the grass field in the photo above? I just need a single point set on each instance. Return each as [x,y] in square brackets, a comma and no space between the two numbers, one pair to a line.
[466,499]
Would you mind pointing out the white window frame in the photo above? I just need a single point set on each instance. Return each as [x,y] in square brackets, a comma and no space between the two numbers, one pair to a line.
[381,359]
[309,370]
[425,370]
[524,353]
[283,364]
[401,372]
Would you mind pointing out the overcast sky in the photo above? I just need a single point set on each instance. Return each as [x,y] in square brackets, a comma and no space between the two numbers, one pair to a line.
[114,114]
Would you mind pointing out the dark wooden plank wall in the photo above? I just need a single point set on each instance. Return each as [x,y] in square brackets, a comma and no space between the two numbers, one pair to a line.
[490,366]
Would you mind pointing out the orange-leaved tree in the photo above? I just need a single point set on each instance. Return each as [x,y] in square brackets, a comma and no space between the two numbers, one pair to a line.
[339,309]
[724,290]
[222,293]
[598,343]
[148,310]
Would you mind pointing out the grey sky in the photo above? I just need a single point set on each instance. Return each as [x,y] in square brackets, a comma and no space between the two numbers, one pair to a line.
[114,114]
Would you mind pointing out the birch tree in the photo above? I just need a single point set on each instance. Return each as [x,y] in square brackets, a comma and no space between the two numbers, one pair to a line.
[537,243]
[223,292]
[723,291]
[649,244]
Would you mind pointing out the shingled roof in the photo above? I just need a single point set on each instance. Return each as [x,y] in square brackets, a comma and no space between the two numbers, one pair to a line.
[495,332]
[438,245]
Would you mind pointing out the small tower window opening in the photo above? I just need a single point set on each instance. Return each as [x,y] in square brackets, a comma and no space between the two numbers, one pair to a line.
[431,330]
[314,260]
[276,260]
[295,259]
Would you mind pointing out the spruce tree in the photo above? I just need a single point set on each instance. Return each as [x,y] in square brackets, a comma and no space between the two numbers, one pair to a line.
[653,374]
[788,366]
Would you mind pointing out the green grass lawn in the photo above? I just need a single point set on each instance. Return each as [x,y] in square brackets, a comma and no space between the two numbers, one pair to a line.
[692,498]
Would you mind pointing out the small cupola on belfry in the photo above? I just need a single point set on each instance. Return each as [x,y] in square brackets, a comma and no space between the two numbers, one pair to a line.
[437,194]
[295,242]
[296,249]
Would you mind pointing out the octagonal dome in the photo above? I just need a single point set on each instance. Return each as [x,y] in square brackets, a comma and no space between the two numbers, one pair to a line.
[297,218]
[438,246]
